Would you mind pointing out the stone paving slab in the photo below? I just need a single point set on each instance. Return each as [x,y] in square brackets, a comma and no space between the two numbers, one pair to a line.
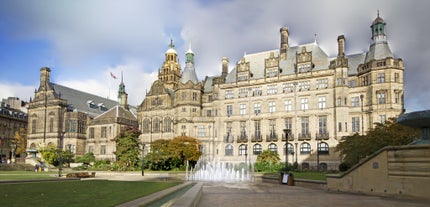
[273,195]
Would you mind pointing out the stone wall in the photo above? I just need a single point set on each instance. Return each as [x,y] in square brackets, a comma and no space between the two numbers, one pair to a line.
[401,171]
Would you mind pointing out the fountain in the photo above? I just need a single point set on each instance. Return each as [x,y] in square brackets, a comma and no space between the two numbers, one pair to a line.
[216,170]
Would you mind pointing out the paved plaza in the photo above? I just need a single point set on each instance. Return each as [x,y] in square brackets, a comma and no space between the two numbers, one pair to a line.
[269,194]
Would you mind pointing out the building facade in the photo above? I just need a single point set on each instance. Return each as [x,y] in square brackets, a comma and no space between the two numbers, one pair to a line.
[13,118]
[74,120]
[245,109]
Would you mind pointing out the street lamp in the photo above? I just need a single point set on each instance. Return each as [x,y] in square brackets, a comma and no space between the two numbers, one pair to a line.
[143,158]
[60,147]
[286,132]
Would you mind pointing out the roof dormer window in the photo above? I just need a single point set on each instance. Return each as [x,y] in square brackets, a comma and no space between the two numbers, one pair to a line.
[91,104]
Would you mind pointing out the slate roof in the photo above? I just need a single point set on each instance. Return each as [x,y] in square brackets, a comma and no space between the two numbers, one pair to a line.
[81,101]
[117,112]
[189,74]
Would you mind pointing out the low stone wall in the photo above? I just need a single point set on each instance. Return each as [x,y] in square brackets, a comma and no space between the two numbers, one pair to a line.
[392,171]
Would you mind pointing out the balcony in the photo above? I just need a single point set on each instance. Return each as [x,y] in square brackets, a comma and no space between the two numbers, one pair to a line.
[306,136]
[257,138]
[242,138]
[290,137]
[322,136]
[272,137]
[228,138]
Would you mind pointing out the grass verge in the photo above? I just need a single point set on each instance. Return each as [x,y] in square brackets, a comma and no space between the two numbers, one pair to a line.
[77,193]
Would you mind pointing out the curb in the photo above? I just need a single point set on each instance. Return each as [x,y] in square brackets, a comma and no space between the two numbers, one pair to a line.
[191,197]
[153,197]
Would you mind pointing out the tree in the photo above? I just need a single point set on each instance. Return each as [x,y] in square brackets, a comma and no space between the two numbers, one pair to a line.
[268,161]
[127,149]
[173,154]
[356,147]
[21,141]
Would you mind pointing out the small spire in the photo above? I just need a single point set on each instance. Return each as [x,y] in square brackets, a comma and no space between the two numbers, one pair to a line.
[171,45]
[315,38]
[378,12]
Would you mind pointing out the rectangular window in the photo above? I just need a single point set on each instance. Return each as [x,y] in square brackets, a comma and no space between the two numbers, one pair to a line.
[272,106]
[73,127]
[257,129]
[103,132]
[242,129]
[271,89]
[355,124]
[382,118]
[287,87]
[257,108]
[322,125]
[355,101]
[322,102]
[229,94]
[201,131]
[380,95]
[242,109]
[91,132]
[257,91]
[397,96]
[184,96]
[91,148]
[210,98]
[194,109]
[352,83]
[102,149]
[381,77]
[304,85]
[209,113]
[321,83]
[194,96]
[339,126]
[396,77]
[184,110]
[304,103]
[243,92]
[288,105]
[305,126]
[288,123]
[229,110]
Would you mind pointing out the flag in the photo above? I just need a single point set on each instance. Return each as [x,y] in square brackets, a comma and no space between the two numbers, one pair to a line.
[112,75]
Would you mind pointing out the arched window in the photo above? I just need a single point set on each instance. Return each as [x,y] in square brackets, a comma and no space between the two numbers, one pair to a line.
[273,148]
[229,150]
[33,126]
[305,148]
[323,148]
[290,149]
[33,146]
[305,166]
[323,166]
[256,149]
[243,149]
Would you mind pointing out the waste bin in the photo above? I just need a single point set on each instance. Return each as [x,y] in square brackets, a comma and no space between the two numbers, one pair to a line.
[286,179]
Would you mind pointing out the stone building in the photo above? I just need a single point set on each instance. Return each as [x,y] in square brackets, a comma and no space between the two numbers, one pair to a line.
[61,116]
[12,118]
[244,110]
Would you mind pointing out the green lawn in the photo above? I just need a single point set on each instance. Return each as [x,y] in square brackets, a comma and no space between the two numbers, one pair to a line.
[77,193]
[310,175]
[26,175]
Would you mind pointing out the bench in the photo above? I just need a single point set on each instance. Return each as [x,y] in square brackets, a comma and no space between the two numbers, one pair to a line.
[81,175]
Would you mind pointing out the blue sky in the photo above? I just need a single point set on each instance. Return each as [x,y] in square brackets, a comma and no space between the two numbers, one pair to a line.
[83,41]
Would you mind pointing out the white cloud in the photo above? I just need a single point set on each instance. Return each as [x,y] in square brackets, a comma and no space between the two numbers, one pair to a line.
[95,37]
[24,92]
